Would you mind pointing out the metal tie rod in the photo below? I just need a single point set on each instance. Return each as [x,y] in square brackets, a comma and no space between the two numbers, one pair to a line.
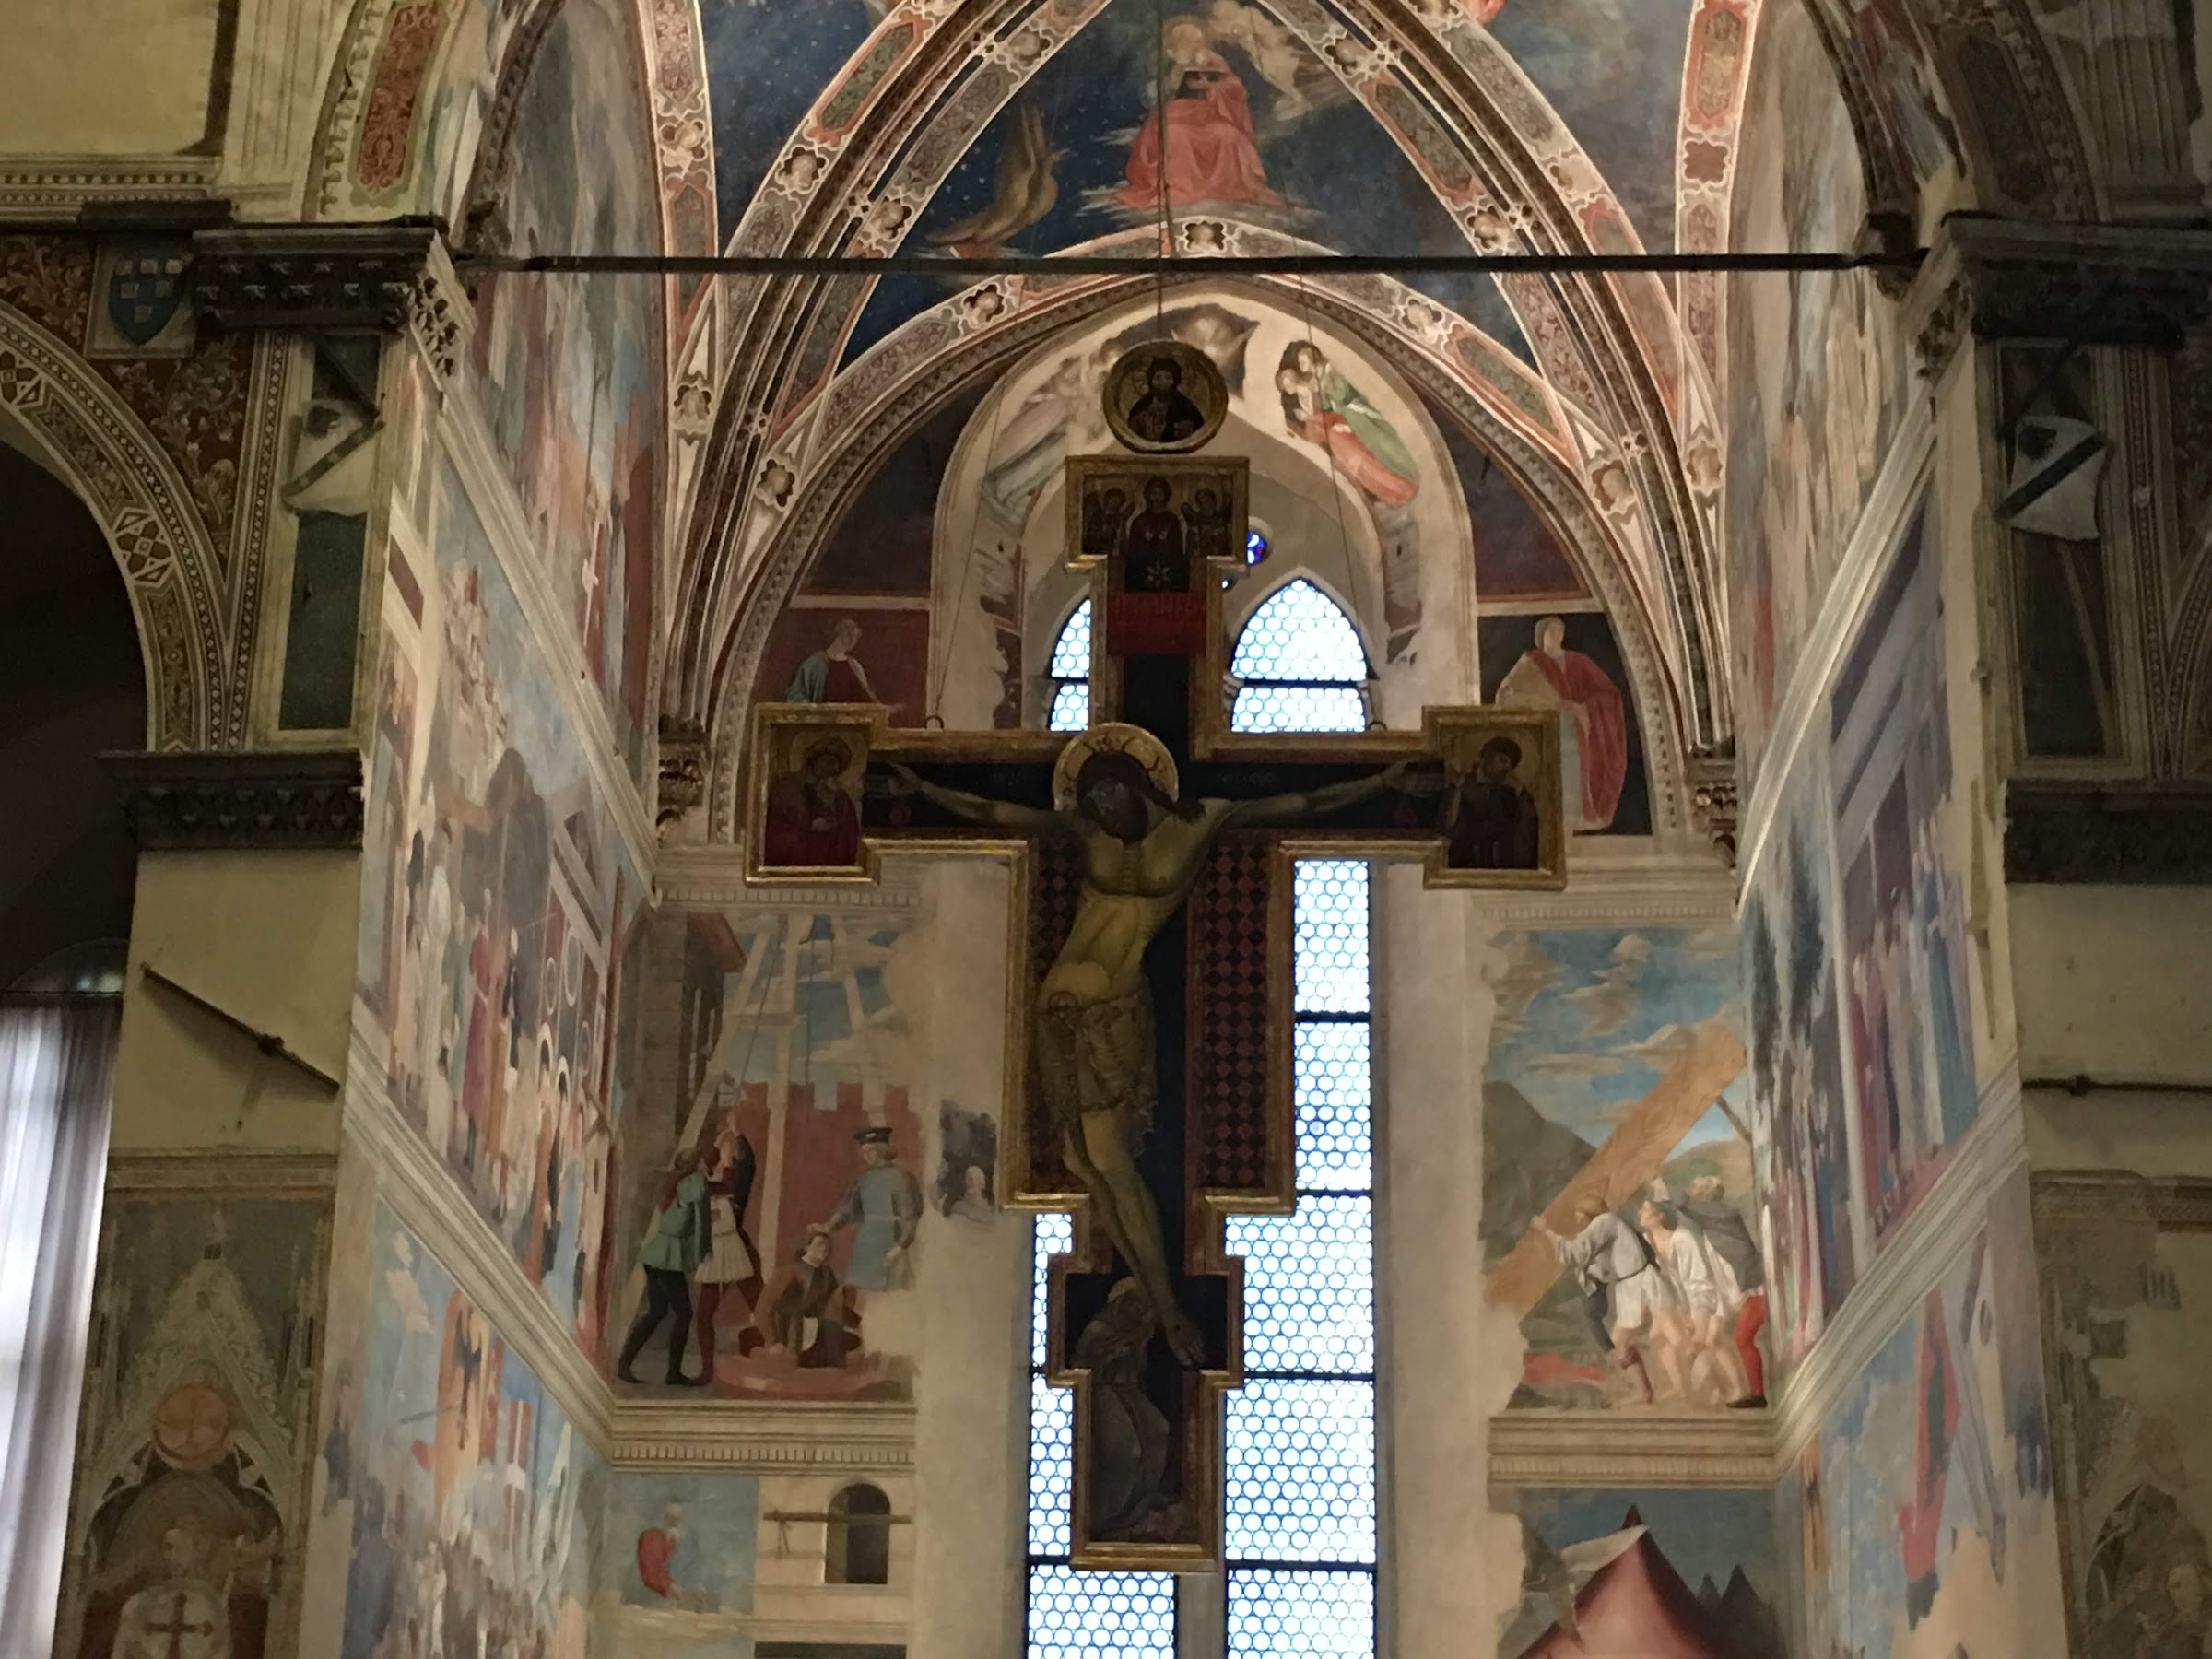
[1107,265]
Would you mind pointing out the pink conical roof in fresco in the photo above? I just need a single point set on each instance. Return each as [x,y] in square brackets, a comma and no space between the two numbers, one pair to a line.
[1633,1605]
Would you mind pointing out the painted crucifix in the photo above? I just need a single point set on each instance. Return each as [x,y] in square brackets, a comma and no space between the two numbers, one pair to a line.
[1150,1089]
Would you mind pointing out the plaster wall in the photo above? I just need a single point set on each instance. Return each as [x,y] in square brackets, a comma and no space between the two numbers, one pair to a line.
[268,937]
[152,61]
[2113,982]
[1448,1358]
[970,1489]
[2146,1133]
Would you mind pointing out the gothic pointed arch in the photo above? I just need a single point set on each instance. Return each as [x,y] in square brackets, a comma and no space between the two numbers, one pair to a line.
[812,490]
[191,617]
[1480,135]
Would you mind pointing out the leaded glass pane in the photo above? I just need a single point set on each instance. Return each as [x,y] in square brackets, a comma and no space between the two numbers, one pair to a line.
[1071,651]
[1311,1615]
[1331,916]
[1301,1471]
[1055,1235]
[1331,1073]
[1071,709]
[1095,1614]
[1300,633]
[1264,708]
[1309,1285]
[1052,1419]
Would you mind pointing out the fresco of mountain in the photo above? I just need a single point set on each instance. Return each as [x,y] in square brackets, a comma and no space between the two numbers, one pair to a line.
[1629,1603]
[1745,1616]
[1526,1159]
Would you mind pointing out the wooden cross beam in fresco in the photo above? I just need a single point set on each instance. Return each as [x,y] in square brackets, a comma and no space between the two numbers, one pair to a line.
[1150,1091]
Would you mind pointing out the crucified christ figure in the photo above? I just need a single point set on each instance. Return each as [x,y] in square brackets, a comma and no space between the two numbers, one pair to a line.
[1092,1031]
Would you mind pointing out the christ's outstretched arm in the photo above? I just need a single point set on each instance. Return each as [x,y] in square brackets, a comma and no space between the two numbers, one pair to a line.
[1297,808]
[975,808]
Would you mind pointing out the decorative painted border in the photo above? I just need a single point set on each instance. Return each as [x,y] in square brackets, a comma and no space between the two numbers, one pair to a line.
[48,186]
[411,1181]
[1880,522]
[1705,1449]
[1915,1257]
[764,1437]
[174,573]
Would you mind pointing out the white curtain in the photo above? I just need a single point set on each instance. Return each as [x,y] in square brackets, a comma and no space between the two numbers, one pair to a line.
[57,1058]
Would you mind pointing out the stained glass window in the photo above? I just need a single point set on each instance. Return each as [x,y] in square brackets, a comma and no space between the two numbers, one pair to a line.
[1300,1522]
[1300,1480]
[1070,674]
[1299,666]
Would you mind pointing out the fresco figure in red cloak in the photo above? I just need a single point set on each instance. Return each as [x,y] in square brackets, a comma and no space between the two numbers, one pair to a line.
[1210,153]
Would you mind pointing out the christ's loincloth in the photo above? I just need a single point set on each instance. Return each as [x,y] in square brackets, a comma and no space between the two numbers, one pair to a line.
[1094,1057]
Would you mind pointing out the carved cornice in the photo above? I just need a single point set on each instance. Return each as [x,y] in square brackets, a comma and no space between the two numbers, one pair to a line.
[2107,284]
[2083,834]
[1716,797]
[384,278]
[204,800]
[1632,1449]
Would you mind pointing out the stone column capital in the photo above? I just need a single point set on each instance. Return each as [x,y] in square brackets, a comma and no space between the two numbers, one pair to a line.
[396,278]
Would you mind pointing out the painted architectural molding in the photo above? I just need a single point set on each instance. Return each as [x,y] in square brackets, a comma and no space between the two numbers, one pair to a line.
[1925,1244]
[767,1437]
[48,186]
[276,800]
[1628,1449]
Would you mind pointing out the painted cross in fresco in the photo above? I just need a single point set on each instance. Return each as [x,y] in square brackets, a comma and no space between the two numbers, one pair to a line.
[1153,1092]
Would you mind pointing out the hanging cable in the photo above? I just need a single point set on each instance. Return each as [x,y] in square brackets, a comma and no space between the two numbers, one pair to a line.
[1160,130]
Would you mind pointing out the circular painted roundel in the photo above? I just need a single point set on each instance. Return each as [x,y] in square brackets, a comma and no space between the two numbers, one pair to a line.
[1165,398]
[192,1426]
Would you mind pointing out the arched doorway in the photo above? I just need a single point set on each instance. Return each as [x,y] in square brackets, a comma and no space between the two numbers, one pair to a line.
[72,687]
